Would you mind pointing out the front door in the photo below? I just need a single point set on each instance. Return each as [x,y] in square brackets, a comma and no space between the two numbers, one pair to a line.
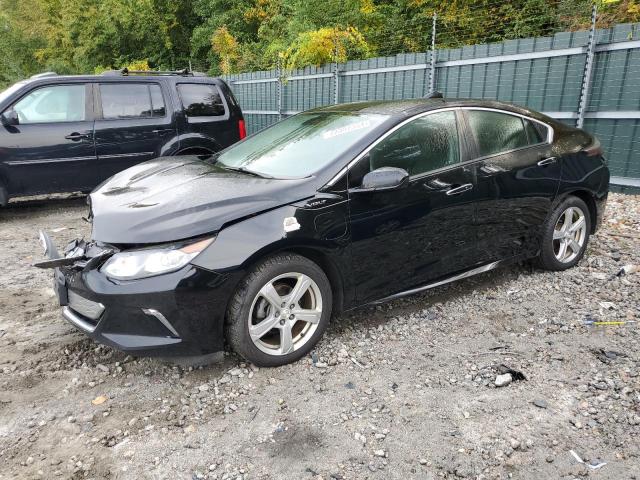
[51,149]
[421,231]
[133,125]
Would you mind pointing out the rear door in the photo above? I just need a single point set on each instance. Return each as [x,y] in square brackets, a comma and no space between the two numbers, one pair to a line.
[52,148]
[422,231]
[517,180]
[133,124]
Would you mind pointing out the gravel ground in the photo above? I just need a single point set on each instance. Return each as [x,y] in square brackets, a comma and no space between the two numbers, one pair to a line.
[404,390]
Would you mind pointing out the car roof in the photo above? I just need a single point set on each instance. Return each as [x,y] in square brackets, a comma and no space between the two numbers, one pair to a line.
[410,107]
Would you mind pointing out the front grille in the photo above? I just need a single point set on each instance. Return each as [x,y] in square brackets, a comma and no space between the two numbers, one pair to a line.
[85,307]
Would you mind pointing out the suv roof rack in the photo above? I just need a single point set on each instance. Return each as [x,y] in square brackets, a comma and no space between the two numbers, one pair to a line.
[126,72]
[43,75]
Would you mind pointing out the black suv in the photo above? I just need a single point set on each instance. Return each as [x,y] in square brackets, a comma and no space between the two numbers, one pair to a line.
[70,133]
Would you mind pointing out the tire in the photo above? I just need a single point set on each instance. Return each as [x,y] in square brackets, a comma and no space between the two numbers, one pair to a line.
[264,299]
[557,230]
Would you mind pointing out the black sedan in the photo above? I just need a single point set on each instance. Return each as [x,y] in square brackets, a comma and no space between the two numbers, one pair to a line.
[323,212]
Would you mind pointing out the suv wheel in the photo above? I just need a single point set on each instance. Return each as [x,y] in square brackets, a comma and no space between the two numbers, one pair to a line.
[565,235]
[4,195]
[279,311]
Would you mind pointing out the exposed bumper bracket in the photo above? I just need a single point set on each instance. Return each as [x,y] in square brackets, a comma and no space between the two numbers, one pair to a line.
[76,320]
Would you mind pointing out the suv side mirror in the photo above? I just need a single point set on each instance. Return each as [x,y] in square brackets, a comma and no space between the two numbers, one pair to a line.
[384,178]
[10,118]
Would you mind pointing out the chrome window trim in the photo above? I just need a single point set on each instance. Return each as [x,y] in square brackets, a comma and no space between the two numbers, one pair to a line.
[362,154]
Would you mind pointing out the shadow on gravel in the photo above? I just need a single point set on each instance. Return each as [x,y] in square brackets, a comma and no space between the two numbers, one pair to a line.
[371,316]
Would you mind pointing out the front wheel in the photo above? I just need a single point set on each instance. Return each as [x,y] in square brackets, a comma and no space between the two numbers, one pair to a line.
[279,311]
[565,235]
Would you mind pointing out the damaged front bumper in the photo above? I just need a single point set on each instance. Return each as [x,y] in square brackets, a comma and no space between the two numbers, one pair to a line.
[178,313]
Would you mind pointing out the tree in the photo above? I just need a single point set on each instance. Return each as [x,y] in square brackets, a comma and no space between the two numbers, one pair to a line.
[223,36]
[325,45]
[226,47]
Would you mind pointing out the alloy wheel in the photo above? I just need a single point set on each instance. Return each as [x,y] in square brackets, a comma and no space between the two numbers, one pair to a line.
[285,313]
[569,234]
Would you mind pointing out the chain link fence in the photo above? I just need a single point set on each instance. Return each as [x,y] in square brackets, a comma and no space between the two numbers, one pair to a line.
[589,76]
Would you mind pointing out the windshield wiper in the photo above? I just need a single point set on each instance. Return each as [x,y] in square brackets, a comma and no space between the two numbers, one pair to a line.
[247,171]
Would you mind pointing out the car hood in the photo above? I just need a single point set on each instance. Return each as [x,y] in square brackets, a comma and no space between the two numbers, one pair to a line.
[175,198]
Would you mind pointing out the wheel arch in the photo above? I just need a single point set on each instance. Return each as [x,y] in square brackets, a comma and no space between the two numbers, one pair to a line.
[196,140]
[327,265]
[195,151]
[589,199]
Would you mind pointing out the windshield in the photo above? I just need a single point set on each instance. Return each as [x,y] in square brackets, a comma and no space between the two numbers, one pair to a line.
[9,91]
[300,145]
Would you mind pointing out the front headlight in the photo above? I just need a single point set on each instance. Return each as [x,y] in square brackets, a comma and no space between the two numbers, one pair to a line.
[153,261]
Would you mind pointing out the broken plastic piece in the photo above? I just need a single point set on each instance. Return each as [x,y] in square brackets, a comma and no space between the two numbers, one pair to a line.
[593,465]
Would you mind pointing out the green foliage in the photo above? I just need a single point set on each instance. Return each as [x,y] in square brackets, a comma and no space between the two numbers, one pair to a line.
[325,45]
[225,46]
[225,36]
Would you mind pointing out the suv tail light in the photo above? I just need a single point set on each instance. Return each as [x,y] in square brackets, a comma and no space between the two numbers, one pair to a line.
[242,130]
[593,150]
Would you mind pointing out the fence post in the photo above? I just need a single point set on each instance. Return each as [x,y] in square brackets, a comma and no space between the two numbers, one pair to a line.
[279,93]
[588,69]
[432,68]
[336,79]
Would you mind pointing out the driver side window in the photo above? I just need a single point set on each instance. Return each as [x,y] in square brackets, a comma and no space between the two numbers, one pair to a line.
[59,103]
[427,143]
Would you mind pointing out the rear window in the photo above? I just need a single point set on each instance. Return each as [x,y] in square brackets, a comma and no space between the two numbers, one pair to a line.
[201,100]
[497,132]
[131,100]
[537,132]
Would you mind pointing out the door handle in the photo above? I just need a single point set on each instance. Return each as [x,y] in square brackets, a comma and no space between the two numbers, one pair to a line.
[162,131]
[547,161]
[491,169]
[75,136]
[460,189]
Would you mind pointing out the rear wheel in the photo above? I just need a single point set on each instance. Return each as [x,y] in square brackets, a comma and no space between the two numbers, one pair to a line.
[279,311]
[565,235]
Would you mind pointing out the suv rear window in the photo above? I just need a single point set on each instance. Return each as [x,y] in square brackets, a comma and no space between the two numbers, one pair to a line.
[131,100]
[201,100]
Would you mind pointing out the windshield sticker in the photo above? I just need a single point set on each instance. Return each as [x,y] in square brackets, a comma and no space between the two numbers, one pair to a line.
[346,129]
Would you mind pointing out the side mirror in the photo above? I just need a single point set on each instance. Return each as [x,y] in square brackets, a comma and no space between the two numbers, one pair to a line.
[10,118]
[384,178]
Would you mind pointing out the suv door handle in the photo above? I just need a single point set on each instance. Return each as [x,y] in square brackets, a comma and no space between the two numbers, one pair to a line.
[75,136]
[547,161]
[162,131]
[460,189]
[491,169]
